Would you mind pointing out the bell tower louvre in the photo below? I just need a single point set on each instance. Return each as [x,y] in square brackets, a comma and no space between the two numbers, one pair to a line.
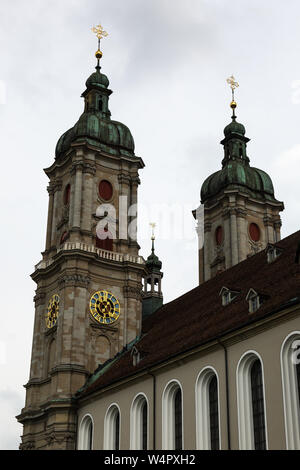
[88,303]
[239,214]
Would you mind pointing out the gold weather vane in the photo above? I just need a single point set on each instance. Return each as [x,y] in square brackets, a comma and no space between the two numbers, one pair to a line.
[233,85]
[100,33]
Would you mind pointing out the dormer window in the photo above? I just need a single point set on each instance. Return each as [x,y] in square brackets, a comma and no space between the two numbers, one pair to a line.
[227,295]
[272,253]
[254,300]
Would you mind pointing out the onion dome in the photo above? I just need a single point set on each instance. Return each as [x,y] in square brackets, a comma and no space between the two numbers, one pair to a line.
[95,125]
[236,171]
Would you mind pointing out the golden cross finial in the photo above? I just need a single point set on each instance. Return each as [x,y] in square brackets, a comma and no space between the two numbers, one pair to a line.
[233,85]
[153,225]
[99,31]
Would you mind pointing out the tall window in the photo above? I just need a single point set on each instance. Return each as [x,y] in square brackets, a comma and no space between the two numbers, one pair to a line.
[85,437]
[251,403]
[207,410]
[112,428]
[214,414]
[290,371]
[144,426]
[178,419]
[139,423]
[258,406]
[172,412]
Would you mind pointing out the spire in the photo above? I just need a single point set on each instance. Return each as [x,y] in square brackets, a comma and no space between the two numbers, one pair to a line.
[100,33]
[235,142]
[153,263]
[233,85]
[152,294]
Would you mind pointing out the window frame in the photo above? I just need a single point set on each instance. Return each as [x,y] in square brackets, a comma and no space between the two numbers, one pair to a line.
[203,430]
[168,415]
[136,422]
[244,400]
[291,399]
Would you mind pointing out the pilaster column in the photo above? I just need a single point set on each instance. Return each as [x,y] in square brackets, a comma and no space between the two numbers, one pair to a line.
[277,227]
[241,234]
[207,250]
[56,189]
[89,172]
[50,190]
[78,168]
[233,237]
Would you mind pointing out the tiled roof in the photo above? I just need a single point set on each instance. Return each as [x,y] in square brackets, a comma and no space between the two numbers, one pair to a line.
[198,316]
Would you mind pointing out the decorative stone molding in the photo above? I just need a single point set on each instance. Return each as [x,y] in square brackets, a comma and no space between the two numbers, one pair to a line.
[77,166]
[255,247]
[135,180]
[268,221]
[39,298]
[207,226]
[133,292]
[277,224]
[241,212]
[30,445]
[124,179]
[59,438]
[101,330]
[54,186]
[89,168]
[76,280]
[51,188]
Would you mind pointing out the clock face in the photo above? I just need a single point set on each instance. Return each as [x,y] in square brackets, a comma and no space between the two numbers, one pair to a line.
[53,311]
[104,307]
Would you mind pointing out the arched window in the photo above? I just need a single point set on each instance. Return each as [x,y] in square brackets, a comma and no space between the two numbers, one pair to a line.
[85,438]
[290,373]
[139,423]
[251,403]
[207,410]
[172,435]
[258,411]
[178,419]
[112,428]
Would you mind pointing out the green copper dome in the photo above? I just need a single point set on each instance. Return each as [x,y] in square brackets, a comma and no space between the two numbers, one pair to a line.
[97,79]
[237,175]
[153,262]
[234,128]
[236,171]
[95,125]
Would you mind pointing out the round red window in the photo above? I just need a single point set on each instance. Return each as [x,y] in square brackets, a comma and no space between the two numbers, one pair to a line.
[105,190]
[254,232]
[219,235]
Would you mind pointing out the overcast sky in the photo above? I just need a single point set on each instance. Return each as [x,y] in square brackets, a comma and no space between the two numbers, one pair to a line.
[167,61]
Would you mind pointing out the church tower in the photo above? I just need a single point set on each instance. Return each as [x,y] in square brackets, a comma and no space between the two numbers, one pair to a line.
[152,293]
[239,215]
[88,303]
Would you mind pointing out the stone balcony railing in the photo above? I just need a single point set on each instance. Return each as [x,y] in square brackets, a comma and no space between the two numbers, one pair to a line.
[104,254]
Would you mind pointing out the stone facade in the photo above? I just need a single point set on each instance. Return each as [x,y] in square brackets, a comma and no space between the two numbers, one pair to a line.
[74,268]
